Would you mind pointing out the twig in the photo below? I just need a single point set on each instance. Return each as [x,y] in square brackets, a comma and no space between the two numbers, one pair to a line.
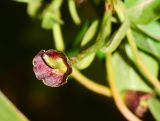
[91,85]
[116,96]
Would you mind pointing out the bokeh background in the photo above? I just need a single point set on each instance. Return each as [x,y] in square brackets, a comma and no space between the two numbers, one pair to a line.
[21,37]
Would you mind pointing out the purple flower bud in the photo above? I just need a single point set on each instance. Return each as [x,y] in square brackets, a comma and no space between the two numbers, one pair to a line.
[137,101]
[52,66]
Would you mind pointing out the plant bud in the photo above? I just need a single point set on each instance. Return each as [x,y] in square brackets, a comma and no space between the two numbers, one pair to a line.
[137,101]
[52,66]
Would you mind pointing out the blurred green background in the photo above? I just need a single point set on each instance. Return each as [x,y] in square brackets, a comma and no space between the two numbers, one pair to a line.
[21,38]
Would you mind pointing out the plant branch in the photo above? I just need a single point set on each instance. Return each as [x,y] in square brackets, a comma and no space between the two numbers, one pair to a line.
[91,85]
[116,96]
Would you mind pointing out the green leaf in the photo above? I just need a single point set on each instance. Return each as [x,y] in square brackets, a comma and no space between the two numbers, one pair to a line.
[151,29]
[117,38]
[49,19]
[150,62]
[8,112]
[73,11]
[90,33]
[81,33]
[143,11]
[154,107]
[76,43]
[147,44]
[127,78]
[33,7]
[85,62]
[52,14]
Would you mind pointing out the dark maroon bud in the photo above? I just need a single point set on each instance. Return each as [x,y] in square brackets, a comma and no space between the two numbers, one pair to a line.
[52,66]
[137,101]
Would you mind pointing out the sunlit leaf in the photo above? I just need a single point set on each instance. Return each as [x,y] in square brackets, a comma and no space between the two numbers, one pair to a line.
[143,11]
[154,107]
[127,78]
[8,112]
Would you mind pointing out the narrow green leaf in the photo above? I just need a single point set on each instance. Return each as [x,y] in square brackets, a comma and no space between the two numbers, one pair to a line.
[116,39]
[126,76]
[85,62]
[76,43]
[106,26]
[106,30]
[154,107]
[143,11]
[152,29]
[147,44]
[81,33]
[90,33]
[73,11]
[8,112]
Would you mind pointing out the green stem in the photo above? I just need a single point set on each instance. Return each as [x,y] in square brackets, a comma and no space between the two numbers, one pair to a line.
[90,84]
[115,93]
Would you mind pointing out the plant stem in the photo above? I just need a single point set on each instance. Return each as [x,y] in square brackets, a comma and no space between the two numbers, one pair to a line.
[116,96]
[144,70]
[90,84]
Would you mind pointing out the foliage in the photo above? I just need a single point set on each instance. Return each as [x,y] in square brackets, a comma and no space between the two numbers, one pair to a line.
[126,35]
